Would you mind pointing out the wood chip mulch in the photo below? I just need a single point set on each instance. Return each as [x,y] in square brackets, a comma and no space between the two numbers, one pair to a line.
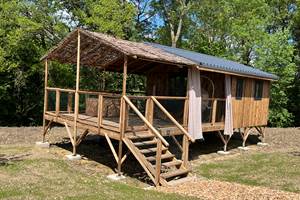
[219,190]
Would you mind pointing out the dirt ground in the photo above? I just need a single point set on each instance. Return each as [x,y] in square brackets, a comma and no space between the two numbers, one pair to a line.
[97,158]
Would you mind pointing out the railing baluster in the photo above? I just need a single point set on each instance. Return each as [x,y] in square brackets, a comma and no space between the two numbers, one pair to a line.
[46,103]
[57,102]
[214,111]
[70,102]
[100,111]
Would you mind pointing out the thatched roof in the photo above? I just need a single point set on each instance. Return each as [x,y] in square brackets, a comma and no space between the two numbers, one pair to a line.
[107,52]
[103,51]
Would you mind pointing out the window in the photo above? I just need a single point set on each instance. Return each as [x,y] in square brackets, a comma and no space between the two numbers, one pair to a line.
[239,88]
[258,90]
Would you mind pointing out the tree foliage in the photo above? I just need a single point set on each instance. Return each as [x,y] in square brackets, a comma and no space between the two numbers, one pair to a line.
[261,33]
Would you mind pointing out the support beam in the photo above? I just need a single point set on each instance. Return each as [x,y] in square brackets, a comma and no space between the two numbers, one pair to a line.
[45,97]
[177,143]
[261,131]
[225,139]
[111,147]
[122,115]
[81,137]
[69,134]
[124,76]
[125,157]
[245,135]
[46,128]
[76,107]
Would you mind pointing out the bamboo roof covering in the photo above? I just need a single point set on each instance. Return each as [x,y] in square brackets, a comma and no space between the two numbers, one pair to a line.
[102,51]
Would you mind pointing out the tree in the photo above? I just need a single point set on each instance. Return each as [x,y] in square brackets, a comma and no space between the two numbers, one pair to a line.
[27,29]
[143,25]
[173,13]
[112,17]
[276,56]
[230,33]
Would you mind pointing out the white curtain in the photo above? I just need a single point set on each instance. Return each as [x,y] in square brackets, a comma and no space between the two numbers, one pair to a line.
[194,93]
[228,129]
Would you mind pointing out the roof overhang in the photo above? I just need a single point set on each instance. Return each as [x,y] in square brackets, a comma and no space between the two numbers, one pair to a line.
[101,50]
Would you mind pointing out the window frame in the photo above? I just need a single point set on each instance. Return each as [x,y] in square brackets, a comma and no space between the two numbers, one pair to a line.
[258,90]
[239,93]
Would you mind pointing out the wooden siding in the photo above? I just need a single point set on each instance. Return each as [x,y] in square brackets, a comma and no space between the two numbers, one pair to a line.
[248,111]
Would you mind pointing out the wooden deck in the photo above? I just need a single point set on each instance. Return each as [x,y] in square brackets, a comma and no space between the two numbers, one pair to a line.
[111,126]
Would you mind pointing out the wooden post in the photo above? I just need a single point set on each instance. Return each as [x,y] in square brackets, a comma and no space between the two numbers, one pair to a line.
[45,98]
[158,162]
[76,107]
[70,98]
[186,112]
[245,135]
[214,111]
[100,111]
[122,115]
[57,102]
[149,110]
[185,153]
[261,132]
[225,139]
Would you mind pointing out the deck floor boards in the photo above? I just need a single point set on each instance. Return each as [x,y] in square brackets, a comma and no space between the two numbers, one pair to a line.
[134,123]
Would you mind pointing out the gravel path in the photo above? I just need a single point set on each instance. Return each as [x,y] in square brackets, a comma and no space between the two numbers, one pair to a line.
[220,190]
[280,140]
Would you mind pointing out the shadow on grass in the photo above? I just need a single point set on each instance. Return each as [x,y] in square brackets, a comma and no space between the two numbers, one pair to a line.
[96,148]
[212,143]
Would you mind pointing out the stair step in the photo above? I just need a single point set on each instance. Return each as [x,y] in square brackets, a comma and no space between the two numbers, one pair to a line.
[145,143]
[172,163]
[140,136]
[175,173]
[163,156]
[151,150]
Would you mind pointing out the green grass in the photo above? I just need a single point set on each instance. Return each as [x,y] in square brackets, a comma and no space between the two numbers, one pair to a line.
[43,178]
[274,170]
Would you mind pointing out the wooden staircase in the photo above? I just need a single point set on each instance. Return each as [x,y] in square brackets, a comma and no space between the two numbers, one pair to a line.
[160,164]
[151,149]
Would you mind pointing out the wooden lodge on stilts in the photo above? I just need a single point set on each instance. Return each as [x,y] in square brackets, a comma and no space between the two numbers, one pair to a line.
[187,94]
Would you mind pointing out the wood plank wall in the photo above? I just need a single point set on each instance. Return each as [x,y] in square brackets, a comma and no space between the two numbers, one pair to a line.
[248,111]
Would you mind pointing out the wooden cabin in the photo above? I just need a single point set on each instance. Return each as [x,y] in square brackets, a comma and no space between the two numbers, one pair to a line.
[142,123]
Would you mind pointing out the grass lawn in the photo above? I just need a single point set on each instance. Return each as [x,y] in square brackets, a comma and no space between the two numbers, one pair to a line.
[274,170]
[51,178]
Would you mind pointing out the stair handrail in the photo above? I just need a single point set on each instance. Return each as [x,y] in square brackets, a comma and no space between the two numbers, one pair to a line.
[150,126]
[172,119]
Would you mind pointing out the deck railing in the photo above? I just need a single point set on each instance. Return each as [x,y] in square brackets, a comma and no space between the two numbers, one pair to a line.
[106,108]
